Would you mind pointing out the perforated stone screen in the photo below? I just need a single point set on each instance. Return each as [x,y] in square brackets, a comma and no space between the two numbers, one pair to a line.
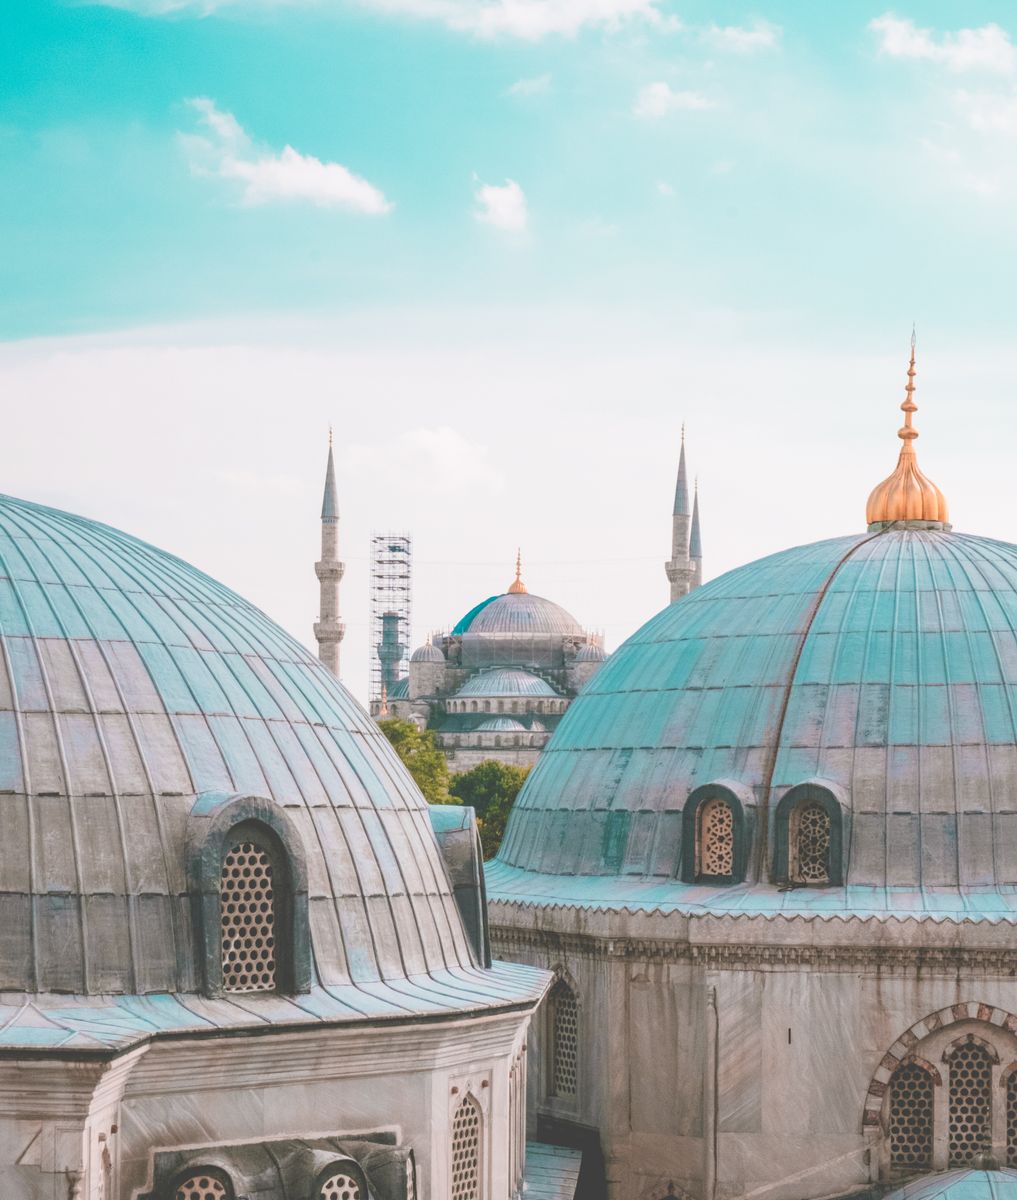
[716,839]
[564,1040]
[201,1187]
[812,844]
[911,1117]
[248,920]
[1011,1119]
[466,1151]
[340,1186]
[970,1103]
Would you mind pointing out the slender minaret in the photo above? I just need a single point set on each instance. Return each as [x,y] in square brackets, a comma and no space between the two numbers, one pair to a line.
[696,543]
[679,569]
[329,628]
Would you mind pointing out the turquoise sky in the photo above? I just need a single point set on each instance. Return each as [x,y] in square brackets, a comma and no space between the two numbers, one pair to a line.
[803,169]
[506,247]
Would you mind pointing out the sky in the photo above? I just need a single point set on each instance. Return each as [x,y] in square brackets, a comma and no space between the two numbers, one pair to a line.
[506,248]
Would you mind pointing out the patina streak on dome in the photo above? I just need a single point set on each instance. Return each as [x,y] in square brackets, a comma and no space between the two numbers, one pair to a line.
[130,682]
[886,664]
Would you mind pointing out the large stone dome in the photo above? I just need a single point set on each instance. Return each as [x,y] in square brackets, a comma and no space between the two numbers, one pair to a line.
[138,699]
[523,613]
[878,671]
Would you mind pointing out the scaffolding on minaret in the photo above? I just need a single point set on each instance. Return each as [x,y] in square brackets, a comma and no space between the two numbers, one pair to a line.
[391,601]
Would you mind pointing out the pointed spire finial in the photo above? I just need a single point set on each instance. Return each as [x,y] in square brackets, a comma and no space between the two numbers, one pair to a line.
[517,586]
[330,436]
[907,495]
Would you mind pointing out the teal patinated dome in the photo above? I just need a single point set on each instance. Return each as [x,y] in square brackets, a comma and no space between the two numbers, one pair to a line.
[140,699]
[506,681]
[876,674]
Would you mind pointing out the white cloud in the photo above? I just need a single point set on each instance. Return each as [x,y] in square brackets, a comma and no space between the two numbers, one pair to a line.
[664,188]
[657,100]
[224,149]
[989,112]
[503,207]
[987,48]
[740,39]
[530,87]
[526,19]
[443,457]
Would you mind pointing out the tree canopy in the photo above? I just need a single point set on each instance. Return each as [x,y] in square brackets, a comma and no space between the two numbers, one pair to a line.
[419,750]
[491,789]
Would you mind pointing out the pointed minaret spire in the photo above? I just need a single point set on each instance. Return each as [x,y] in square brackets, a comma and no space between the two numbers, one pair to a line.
[696,543]
[678,568]
[517,586]
[329,628]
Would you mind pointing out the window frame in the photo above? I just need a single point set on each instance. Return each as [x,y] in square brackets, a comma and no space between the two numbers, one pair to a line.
[794,799]
[740,802]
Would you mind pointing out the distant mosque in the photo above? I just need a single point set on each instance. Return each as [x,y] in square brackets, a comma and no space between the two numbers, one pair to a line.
[498,684]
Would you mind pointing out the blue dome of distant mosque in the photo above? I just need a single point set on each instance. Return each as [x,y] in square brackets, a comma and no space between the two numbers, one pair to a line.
[878,670]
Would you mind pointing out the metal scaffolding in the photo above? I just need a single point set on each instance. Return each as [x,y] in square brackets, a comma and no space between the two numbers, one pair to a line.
[391,571]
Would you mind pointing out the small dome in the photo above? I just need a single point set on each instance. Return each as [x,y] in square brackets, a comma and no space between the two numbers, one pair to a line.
[964,1184]
[500,725]
[522,612]
[136,695]
[399,690]
[506,682]
[590,652]
[428,652]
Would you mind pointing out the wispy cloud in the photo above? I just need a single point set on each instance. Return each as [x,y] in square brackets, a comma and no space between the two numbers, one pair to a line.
[503,207]
[223,149]
[987,48]
[741,39]
[535,86]
[664,189]
[529,20]
[659,99]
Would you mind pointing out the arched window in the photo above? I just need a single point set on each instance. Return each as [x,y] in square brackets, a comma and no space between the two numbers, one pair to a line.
[487,706]
[248,899]
[911,1124]
[810,844]
[1011,1116]
[563,1023]
[970,1102]
[715,840]
[208,1184]
[466,1142]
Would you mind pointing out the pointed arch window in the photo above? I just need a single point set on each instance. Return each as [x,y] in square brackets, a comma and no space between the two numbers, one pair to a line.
[563,1028]
[971,1064]
[467,1128]
[715,841]
[911,1116]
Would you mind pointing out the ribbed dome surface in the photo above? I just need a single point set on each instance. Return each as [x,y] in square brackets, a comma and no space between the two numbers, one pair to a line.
[428,652]
[522,612]
[884,663]
[506,682]
[131,682]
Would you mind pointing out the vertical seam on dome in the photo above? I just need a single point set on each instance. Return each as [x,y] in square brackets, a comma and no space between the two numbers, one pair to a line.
[762,861]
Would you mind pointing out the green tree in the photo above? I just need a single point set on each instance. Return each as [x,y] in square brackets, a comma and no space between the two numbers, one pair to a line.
[491,789]
[419,750]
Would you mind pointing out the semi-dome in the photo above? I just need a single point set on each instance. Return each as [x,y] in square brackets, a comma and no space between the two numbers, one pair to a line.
[143,707]
[507,681]
[590,652]
[875,673]
[501,725]
[428,652]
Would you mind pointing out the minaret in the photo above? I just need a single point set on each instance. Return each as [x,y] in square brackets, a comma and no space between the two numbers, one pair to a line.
[696,544]
[679,569]
[329,628]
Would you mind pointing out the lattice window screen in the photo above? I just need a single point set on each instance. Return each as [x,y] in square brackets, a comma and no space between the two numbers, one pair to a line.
[812,844]
[466,1151]
[1011,1119]
[201,1187]
[248,920]
[970,1103]
[716,839]
[911,1091]
[340,1186]
[564,1040]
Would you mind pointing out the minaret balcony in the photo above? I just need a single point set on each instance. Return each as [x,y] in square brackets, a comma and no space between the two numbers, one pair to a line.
[331,569]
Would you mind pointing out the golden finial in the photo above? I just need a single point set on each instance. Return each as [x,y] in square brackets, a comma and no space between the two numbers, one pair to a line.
[517,587]
[907,495]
